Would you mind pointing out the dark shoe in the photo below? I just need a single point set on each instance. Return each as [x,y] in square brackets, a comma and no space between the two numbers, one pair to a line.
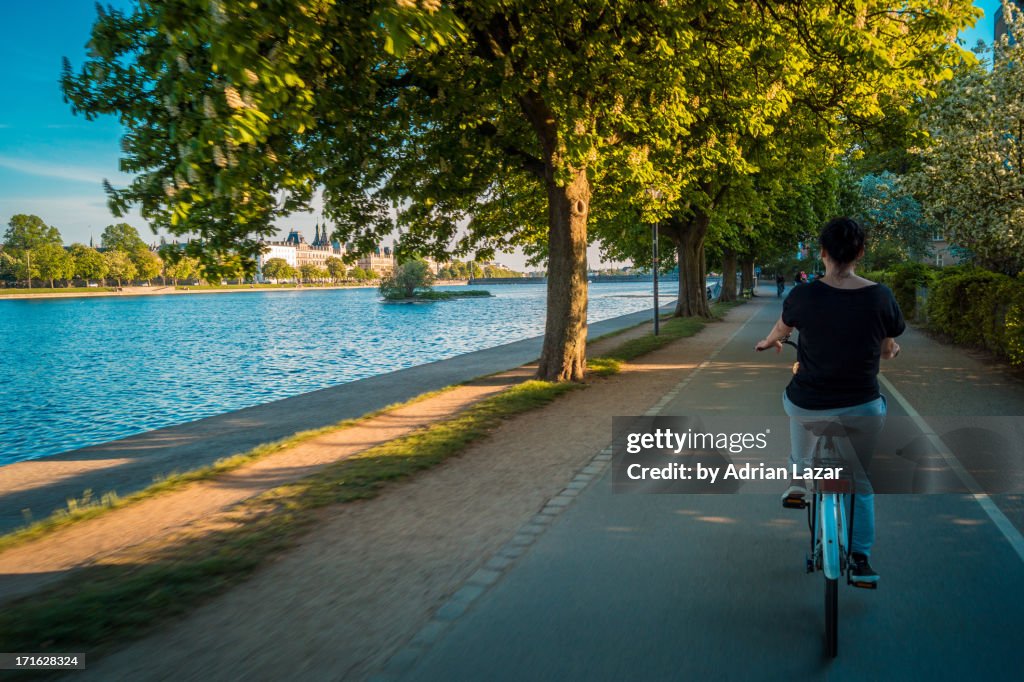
[861,573]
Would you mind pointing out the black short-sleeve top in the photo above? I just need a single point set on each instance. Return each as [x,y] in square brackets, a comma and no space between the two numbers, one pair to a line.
[840,344]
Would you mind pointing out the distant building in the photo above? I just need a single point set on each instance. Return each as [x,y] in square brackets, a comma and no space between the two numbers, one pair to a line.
[296,251]
[315,253]
[381,260]
[939,253]
[434,266]
[1000,20]
[285,252]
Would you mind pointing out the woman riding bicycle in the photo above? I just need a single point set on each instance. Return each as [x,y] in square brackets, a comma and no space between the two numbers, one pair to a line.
[846,324]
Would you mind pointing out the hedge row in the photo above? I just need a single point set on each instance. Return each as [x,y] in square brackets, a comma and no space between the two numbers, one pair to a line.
[968,305]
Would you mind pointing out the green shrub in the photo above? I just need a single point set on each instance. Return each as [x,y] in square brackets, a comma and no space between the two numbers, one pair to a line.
[1013,334]
[406,280]
[874,275]
[968,305]
[904,281]
[975,307]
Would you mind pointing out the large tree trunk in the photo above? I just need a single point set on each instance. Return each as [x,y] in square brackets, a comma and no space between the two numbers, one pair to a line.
[563,357]
[688,237]
[728,276]
[747,267]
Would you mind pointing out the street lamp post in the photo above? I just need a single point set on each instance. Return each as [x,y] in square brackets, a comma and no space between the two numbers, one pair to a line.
[655,196]
[654,260]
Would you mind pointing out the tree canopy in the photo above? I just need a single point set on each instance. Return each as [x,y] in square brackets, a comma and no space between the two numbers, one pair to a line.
[119,266]
[971,177]
[29,232]
[406,279]
[89,263]
[121,237]
[530,119]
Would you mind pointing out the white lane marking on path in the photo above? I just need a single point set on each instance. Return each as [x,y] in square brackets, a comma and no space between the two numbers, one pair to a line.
[674,392]
[1013,536]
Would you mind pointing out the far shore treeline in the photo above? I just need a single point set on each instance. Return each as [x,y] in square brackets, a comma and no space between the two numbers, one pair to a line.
[34,252]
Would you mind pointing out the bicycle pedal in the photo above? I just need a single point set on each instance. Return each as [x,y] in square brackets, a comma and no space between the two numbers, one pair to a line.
[794,503]
[864,585]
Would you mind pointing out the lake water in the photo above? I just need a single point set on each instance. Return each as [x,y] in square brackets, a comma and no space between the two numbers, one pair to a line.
[80,371]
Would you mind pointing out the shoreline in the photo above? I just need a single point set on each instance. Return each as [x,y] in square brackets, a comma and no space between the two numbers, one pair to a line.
[171,290]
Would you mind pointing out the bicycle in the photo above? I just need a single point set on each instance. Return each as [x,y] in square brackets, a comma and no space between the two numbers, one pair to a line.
[831,534]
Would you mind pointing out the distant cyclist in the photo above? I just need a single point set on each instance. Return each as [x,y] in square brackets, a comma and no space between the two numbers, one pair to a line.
[846,324]
[780,284]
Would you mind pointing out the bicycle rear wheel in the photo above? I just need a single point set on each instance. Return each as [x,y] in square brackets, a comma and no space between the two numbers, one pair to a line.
[832,617]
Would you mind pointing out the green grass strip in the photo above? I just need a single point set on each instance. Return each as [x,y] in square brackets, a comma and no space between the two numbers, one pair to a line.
[109,604]
[229,287]
[54,290]
[671,329]
[449,295]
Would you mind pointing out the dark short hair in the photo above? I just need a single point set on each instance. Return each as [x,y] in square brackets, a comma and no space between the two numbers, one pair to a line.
[843,239]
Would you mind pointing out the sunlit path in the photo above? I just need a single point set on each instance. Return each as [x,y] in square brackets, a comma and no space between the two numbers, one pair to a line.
[684,587]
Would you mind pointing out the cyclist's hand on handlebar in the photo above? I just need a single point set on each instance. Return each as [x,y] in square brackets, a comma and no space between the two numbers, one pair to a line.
[892,352]
[890,349]
[765,344]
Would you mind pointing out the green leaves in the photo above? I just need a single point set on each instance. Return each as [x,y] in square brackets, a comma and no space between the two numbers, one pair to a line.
[406,280]
[971,170]
[29,232]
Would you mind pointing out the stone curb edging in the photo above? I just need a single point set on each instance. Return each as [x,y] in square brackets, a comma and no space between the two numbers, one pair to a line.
[492,570]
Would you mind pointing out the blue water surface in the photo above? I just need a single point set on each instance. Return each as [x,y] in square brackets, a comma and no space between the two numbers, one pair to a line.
[80,371]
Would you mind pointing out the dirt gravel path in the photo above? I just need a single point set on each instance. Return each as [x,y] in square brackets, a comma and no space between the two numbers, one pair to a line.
[28,567]
[372,573]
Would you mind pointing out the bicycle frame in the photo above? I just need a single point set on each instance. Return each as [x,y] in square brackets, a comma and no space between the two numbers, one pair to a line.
[831,534]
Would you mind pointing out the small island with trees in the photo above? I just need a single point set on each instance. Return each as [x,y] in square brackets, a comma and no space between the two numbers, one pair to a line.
[412,282]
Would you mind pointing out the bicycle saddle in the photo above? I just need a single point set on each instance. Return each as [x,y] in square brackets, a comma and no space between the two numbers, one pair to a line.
[826,428]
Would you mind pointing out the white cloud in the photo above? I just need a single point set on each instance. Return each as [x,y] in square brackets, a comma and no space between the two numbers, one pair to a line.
[77,217]
[93,176]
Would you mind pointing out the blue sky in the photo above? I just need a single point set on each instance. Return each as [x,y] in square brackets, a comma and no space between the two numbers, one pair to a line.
[52,163]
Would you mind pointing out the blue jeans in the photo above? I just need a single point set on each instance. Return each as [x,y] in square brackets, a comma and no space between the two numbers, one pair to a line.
[863,442]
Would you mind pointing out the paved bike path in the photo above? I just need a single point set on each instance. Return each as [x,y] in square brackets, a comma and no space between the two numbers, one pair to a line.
[674,587]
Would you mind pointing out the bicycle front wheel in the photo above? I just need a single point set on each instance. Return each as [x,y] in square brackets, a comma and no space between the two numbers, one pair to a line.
[832,616]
